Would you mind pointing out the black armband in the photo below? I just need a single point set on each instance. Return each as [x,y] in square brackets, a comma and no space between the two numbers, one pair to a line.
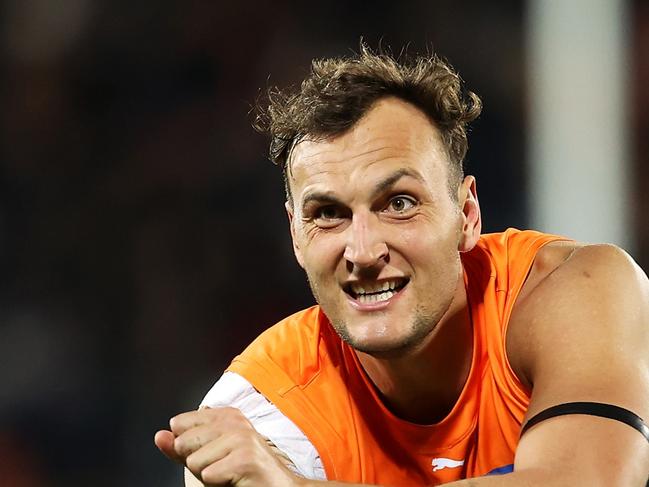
[592,409]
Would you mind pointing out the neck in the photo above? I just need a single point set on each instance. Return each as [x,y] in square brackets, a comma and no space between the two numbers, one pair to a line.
[423,384]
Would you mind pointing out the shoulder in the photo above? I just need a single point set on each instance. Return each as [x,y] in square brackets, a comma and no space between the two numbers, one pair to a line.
[513,255]
[290,352]
[296,335]
[581,305]
[566,270]
[301,326]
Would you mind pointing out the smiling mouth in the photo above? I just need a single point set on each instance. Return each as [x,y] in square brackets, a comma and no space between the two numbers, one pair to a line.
[368,293]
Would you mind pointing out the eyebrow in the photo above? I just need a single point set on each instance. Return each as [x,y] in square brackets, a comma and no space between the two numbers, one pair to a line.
[380,187]
[391,180]
[321,197]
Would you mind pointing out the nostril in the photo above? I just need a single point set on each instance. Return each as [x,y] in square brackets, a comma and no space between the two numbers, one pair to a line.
[366,257]
[382,252]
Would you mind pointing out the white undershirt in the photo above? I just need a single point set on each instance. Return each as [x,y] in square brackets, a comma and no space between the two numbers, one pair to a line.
[232,390]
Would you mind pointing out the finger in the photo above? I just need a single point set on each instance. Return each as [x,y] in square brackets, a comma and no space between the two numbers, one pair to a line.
[164,440]
[194,438]
[185,421]
[226,417]
[210,453]
[224,472]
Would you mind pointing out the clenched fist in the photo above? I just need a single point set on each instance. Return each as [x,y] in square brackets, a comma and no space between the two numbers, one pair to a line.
[221,448]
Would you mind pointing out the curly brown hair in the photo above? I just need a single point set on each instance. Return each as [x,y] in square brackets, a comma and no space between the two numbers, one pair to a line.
[339,91]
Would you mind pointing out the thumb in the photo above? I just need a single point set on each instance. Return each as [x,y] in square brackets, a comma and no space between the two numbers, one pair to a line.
[164,440]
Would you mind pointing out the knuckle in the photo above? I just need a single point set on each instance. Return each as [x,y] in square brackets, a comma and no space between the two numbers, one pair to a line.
[182,421]
[224,415]
[209,412]
[241,463]
[234,412]
[211,475]
[240,421]
[246,457]
[194,464]
[231,413]
[247,460]
[240,439]
[179,445]
[231,419]
[186,444]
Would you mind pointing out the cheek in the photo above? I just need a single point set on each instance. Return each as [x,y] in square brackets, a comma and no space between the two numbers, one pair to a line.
[429,249]
[410,240]
[322,255]
[422,238]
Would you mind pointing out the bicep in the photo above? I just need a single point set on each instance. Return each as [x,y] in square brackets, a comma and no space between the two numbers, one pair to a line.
[585,450]
[588,340]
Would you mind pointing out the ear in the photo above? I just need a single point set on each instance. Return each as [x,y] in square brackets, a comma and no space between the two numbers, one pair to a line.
[291,222]
[470,214]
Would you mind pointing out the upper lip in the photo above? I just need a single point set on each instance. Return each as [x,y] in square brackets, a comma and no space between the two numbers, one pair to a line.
[356,288]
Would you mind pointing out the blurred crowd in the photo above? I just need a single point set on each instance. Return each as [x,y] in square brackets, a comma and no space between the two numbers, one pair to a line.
[143,239]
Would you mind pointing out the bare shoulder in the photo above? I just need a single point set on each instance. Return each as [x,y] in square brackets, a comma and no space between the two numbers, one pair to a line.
[547,260]
[574,259]
[577,296]
[579,270]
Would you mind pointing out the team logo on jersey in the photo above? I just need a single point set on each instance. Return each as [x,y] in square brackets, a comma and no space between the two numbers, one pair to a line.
[440,463]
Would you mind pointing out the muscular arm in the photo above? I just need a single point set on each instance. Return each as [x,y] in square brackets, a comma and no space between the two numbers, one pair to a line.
[582,334]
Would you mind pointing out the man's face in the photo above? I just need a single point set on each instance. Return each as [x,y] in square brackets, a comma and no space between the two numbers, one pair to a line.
[376,229]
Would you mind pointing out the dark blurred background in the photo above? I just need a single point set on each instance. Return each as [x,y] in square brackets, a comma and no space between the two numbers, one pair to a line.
[143,240]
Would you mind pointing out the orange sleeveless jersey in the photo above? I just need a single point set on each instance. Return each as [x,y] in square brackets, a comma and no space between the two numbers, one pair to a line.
[316,380]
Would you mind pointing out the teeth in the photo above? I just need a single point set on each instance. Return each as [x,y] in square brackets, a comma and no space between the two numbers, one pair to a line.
[375,298]
[376,288]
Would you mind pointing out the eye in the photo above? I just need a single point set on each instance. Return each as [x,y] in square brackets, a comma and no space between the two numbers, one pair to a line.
[328,212]
[400,204]
[328,216]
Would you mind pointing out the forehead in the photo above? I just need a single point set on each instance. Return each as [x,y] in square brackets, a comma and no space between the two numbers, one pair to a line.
[392,135]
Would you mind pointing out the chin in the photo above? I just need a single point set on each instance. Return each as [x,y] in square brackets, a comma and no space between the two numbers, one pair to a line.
[383,345]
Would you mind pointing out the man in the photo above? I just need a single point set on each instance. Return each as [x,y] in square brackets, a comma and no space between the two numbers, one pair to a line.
[432,346]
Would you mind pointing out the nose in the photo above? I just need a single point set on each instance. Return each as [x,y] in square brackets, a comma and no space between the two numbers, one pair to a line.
[366,246]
